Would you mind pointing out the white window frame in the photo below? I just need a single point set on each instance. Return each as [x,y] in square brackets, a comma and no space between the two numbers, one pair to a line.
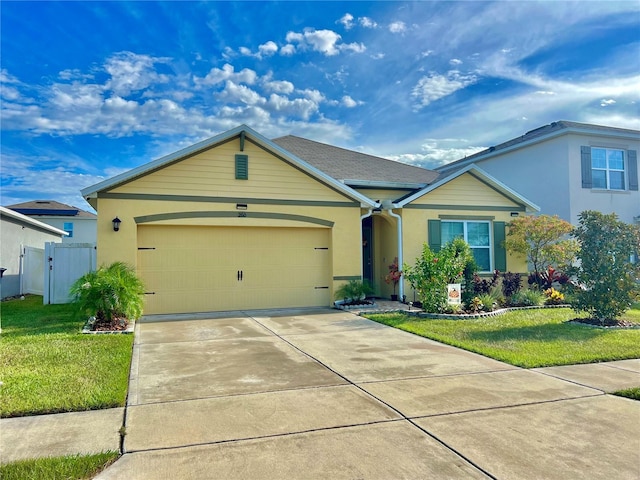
[607,169]
[465,237]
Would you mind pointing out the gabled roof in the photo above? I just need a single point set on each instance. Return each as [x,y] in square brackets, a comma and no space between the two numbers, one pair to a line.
[50,208]
[355,168]
[479,174]
[541,134]
[8,213]
[242,130]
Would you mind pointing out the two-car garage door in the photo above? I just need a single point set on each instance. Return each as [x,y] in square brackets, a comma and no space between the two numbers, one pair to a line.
[199,269]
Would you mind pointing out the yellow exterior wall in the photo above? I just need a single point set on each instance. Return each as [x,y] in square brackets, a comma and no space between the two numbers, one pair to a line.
[212,174]
[485,201]
[465,190]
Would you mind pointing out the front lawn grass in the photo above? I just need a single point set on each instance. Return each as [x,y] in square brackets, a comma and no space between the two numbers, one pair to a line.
[633,393]
[48,366]
[527,338]
[70,467]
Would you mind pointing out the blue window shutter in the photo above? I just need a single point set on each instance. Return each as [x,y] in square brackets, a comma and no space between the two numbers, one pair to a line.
[585,158]
[434,235]
[242,167]
[632,163]
[499,252]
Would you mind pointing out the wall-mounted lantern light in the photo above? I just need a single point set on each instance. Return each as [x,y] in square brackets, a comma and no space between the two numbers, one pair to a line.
[116,224]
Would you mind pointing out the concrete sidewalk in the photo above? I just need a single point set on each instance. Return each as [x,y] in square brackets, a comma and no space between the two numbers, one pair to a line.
[327,394]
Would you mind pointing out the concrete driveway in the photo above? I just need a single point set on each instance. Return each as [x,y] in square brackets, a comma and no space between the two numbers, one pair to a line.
[326,394]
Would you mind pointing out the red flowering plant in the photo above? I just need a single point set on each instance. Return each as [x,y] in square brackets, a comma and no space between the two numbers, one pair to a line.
[393,275]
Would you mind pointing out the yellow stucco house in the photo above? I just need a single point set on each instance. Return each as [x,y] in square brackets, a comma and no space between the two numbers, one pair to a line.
[239,221]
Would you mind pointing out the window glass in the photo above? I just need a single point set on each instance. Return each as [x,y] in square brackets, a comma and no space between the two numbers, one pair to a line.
[451,230]
[598,158]
[482,256]
[616,180]
[616,160]
[478,234]
[68,227]
[599,178]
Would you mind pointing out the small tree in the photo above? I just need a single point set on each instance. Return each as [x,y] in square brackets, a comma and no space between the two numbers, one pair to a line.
[433,271]
[606,275]
[543,240]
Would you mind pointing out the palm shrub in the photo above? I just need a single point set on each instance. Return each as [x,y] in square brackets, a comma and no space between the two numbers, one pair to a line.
[111,292]
[353,290]
[528,298]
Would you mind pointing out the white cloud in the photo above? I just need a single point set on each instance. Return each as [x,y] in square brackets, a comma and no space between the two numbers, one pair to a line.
[426,53]
[397,27]
[349,102]
[346,21]
[217,75]
[378,56]
[455,61]
[236,93]
[326,42]
[606,103]
[352,47]
[132,72]
[367,22]
[435,86]
[268,49]
[279,86]
[288,50]
[435,152]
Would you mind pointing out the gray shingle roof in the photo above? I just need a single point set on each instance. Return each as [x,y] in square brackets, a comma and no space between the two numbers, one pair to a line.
[347,165]
[537,133]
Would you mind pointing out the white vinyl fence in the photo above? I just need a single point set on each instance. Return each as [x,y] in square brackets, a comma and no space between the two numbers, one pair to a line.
[32,273]
[64,263]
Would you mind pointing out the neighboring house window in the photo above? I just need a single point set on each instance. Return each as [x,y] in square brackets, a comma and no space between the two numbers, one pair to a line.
[68,227]
[609,168]
[242,167]
[488,250]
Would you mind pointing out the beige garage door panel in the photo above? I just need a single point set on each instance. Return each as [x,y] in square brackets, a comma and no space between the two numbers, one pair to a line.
[196,269]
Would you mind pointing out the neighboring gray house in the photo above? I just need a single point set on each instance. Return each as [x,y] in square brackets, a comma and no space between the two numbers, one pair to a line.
[567,168]
[22,242]
[81,226]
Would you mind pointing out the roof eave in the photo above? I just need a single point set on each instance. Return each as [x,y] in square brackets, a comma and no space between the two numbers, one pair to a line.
[36,223]
[92,191]
[472,168]
[547,136]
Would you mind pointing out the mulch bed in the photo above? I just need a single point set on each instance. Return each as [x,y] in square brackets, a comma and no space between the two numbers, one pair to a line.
[608,323]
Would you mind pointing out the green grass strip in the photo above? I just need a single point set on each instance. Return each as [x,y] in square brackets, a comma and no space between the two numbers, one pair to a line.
[48,366]
[633,393]
[526,338]
[70,467]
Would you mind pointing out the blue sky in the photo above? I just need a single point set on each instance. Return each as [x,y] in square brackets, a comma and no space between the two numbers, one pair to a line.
[92,89]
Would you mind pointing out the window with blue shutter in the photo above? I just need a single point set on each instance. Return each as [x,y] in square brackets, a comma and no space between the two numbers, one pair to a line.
[242,167]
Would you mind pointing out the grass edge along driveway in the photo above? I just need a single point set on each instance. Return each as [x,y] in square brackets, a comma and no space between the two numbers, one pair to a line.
[527,338]
[48,366]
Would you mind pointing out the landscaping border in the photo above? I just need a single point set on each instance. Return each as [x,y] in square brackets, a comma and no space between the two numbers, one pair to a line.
[471,316]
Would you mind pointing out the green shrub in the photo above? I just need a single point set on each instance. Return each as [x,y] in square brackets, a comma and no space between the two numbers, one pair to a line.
[353,290]
[606,275]
[528,298]
[434,270]
[110,292]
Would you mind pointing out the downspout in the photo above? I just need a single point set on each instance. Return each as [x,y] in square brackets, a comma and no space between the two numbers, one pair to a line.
[400,260]
[362,217]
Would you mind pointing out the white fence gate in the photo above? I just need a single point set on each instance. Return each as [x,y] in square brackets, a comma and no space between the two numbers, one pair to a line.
[32,270]
[65,263]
